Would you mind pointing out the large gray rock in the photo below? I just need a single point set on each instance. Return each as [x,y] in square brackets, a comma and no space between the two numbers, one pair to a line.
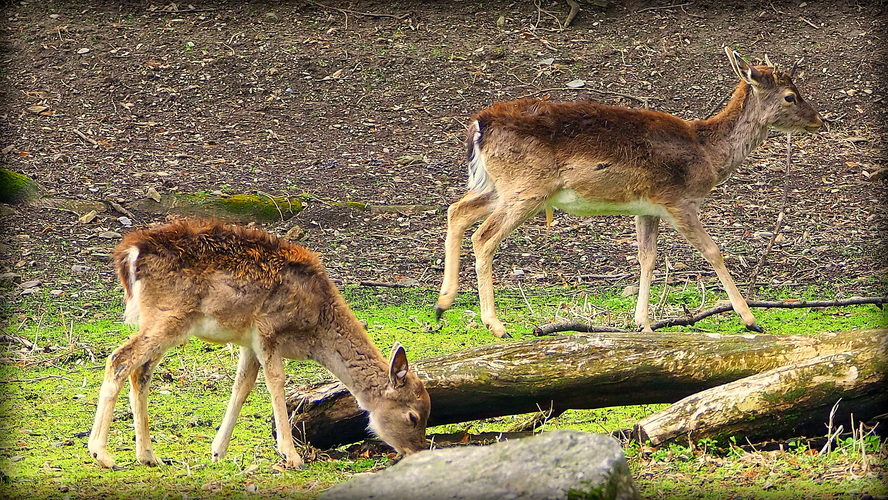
[552,465]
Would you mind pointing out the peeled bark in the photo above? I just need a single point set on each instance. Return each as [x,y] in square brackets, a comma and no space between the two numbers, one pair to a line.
[577,371]
[789,401]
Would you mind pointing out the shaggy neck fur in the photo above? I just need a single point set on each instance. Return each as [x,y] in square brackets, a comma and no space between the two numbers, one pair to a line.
[735,131]
[353,358]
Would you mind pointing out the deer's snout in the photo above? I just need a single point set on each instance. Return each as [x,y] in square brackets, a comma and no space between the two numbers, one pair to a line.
[815,125]
[414,447]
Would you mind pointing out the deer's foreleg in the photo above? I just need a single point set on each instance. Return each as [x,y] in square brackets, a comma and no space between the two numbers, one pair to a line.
[273,367]
[687,222]
[647,227]
[244,381]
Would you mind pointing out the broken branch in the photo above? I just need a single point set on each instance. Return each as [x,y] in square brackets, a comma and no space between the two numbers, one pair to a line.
[690,320]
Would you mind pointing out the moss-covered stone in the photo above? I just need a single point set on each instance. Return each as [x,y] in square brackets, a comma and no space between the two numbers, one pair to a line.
[238,207]
[15,187]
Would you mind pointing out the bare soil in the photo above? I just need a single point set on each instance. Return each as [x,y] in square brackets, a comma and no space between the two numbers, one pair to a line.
[290,98]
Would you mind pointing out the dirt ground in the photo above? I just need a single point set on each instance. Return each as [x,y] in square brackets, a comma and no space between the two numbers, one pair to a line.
[287,98]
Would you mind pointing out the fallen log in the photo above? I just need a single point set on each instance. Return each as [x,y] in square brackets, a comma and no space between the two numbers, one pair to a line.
[576,371]
[790,401]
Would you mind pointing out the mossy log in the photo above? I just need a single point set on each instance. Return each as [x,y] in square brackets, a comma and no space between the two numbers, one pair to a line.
[237,207]
[576,371]
[793,400]
[16,187]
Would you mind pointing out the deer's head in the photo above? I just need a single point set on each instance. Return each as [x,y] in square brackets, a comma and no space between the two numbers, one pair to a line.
[399,417]
[778,96]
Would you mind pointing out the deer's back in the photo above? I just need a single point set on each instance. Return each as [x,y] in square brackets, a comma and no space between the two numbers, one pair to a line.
[224,280]
[603,152]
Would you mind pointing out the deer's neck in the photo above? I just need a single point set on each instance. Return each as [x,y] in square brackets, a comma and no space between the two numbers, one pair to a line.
[343,347]
[740,127]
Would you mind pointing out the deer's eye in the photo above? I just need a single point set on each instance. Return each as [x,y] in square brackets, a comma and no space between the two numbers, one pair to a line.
[413,418]
[790,98]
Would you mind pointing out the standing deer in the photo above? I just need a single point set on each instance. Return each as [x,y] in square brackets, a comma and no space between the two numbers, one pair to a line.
[588,158]
[229,284]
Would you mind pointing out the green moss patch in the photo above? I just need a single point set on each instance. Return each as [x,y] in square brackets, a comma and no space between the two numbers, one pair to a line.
[238,207]
[15,187]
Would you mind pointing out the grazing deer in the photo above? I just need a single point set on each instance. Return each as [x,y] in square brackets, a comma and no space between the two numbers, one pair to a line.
[588,158]
[229,284]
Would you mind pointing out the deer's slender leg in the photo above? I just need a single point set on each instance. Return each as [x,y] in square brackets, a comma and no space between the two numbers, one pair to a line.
[503,220]
[273,367]
[687,222]
[465,212]
[140,380]
[244,381]
[647,227]
[149,343]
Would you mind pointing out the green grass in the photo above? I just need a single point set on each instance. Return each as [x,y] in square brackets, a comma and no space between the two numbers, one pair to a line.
[50,392]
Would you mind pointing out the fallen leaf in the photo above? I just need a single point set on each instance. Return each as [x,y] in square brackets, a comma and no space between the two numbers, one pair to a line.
[37,109]
[88,217]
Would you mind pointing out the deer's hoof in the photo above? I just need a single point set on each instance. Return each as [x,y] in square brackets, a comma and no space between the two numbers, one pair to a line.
[755,328]
[103,457]
[149,458]
[293,461]
[439,311]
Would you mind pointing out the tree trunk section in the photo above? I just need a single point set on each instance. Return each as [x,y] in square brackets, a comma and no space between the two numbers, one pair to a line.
[576,371]
[790,401]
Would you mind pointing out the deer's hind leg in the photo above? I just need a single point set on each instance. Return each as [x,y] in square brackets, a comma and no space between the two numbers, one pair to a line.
[470,209]
[140,380]
[508,214]
[146,346]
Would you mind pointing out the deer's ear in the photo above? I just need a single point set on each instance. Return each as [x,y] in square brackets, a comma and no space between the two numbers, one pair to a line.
[398,366]
[745,71]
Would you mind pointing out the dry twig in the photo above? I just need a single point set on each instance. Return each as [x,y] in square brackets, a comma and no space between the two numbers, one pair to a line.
[663,7]
[383,285]
[85,137]
[690,320]
[809,23]
[643,100]
[359,13]
[780,216]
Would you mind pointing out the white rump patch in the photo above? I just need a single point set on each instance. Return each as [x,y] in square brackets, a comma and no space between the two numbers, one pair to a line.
[132,312]
[131,255]
[478,178]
